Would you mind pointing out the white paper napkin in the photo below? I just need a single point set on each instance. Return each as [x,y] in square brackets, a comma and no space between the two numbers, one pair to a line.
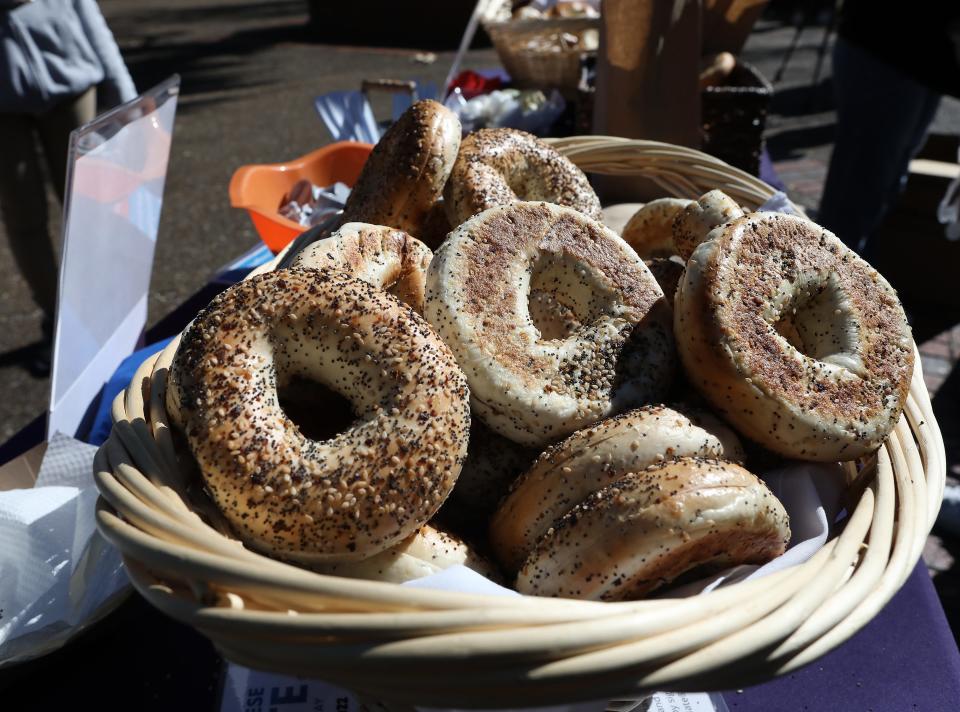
[57,574]
[779,203]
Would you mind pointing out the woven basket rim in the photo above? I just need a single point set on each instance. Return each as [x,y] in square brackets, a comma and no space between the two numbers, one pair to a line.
[765,88]
[530,25]
[381,638]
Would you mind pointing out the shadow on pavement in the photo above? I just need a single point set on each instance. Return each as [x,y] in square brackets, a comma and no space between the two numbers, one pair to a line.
[211,45]
[17,356]
[157,44]
[804,99]
[791,145]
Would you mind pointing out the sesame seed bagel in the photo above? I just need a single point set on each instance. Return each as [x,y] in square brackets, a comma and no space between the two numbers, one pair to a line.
[425,552]
[650,231]
[384,257]
[404,176]
[694,222]
[306,500]
[593,458]
[536,382]
[498,166]
[648,528]
[793,338]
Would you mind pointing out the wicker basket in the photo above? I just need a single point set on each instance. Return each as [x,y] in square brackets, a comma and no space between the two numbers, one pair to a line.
[536,69]
[734,116]
[449,649]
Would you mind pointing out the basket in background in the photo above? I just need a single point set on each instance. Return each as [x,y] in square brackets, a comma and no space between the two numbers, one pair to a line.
[558,68]
[734,116]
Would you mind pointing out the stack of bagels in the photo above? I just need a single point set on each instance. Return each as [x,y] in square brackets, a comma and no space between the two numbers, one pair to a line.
[508,359]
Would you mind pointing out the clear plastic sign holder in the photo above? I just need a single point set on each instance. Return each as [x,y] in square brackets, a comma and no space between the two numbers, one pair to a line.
[116,169]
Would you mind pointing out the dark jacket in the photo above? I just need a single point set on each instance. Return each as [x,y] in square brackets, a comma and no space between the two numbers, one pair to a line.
[921,38]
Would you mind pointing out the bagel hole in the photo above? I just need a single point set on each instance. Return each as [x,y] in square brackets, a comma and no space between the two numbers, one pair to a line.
[817,322]
[319,412]
[563,296]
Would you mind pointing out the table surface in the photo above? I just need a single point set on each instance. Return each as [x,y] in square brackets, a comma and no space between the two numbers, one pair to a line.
[904,659]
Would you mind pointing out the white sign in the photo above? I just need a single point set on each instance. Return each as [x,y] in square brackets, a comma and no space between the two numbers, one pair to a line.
[116,170]
[246,690]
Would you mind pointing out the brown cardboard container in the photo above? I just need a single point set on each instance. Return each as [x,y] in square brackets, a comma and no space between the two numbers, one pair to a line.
[727,23]
[648,85]
[21,472]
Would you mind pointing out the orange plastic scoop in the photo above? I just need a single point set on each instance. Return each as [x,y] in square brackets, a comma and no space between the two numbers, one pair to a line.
[260,188]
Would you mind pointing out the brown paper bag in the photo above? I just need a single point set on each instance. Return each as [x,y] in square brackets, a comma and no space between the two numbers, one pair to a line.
[727,23]
[647,80]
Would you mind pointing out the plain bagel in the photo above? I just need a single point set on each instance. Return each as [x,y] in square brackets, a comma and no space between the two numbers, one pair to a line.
[384,257]
[425,552]
[793,338]
[650,230]
[344,498]
[499,166]
[593,458]
[404,176]
[648,528]
[694,222]
[614,353]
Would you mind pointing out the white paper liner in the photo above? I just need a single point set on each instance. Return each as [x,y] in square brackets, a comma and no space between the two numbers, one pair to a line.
[57,574]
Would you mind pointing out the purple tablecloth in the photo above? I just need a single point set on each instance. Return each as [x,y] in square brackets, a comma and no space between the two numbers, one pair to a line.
[904,659]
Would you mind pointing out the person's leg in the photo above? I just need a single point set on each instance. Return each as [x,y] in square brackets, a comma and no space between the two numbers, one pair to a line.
[55,127]
[23,197]
[915,137]
[23,205]
[880,112]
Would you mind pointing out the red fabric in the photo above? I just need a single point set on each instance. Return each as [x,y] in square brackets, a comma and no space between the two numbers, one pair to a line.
[472,84]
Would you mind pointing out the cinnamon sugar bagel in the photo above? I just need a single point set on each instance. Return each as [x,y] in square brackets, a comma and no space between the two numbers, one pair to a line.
[536,382]
[384,257]
[404,176]
[593,458]
[793,338]
[343,498]
[648,528]
[499,166]
[650,230]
